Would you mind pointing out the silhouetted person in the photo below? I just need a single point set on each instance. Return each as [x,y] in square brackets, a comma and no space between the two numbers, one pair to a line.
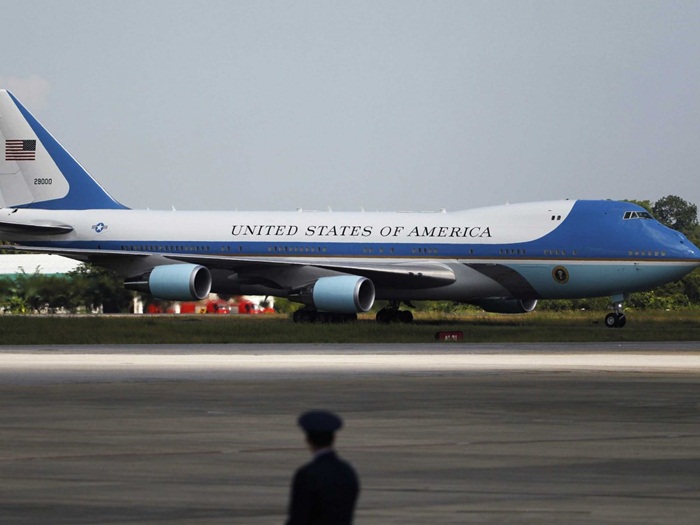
[324,491]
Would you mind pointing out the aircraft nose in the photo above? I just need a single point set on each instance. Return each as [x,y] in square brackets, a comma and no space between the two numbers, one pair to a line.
[692,251]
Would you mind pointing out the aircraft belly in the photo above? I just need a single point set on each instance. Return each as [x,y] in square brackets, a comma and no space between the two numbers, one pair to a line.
[546,280]
[470,285]
[564,280]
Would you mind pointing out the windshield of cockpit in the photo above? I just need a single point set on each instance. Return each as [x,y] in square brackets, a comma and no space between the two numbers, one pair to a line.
[637,215]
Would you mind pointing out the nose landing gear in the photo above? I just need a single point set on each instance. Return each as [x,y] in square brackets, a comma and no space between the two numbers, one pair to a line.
[616,319]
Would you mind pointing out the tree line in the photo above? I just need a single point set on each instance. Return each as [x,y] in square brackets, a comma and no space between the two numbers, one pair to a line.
[87,289]
[90,288]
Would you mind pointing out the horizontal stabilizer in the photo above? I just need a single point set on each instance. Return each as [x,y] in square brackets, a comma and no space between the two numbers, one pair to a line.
[44,228]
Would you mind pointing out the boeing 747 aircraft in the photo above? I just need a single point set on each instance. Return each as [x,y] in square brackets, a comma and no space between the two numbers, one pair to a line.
[502,258]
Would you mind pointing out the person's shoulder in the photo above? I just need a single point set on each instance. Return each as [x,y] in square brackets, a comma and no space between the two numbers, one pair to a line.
[347,466]
[338,464]
[325,462]
[305,469]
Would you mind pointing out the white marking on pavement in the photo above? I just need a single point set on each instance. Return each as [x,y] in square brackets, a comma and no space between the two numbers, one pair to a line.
[339,363]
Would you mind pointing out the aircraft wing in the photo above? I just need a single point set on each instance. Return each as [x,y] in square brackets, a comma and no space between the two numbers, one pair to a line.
[387,274]
[413,275]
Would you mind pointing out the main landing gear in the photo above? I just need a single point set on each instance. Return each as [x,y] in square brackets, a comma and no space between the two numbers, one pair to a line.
[616,318]
[392,314]
[309,315]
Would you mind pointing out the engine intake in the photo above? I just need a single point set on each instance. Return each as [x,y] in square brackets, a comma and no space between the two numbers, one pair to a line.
[174,282]
[508,306]
[340,294]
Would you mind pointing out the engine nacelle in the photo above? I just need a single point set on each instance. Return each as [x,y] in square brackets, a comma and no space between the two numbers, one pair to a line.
[341,294]
[508,306]
[174,282]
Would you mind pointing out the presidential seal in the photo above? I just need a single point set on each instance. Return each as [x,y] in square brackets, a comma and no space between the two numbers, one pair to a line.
[560,274]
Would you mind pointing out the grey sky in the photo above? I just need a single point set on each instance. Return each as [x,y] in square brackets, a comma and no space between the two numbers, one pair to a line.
[390,105]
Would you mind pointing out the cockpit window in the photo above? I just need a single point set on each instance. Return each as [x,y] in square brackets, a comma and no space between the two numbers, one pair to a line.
[637,215]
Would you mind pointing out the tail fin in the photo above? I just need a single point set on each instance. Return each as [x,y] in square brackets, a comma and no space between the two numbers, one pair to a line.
[35,170]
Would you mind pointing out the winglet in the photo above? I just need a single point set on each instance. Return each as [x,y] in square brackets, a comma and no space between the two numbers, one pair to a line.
[37,172]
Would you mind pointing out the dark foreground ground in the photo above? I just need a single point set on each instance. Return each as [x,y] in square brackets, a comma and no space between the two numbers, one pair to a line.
[480,447]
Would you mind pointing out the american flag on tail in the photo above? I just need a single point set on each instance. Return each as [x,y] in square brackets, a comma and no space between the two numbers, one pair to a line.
[19,149]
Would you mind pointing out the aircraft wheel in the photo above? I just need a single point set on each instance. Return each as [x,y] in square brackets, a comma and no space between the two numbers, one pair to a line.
[405,316]
[384,316]
[341,318]
[615,320]
[304,316]
[611,320]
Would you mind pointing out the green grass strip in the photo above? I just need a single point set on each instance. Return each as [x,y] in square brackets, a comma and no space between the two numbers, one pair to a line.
[222,329]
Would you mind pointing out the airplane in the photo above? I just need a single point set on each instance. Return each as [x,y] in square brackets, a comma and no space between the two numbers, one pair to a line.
[335,264]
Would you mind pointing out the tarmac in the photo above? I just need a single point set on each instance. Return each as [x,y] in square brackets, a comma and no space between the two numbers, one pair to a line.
[442,433]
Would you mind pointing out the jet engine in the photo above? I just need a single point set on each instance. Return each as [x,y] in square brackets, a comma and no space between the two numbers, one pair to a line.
[340,294]
[508,306]
[175,282]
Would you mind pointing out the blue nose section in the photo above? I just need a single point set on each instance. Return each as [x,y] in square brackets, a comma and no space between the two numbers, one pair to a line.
[689,250]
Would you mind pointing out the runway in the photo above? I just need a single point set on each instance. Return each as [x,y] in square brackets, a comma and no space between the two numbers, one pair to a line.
[439,433]
[174,362]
